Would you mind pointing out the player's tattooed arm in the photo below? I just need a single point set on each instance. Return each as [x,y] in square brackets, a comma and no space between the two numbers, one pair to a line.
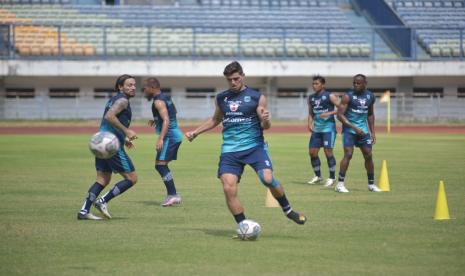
[263,113]
[371,122]
[161,107]
[114,110]
[207,125]
[342,118]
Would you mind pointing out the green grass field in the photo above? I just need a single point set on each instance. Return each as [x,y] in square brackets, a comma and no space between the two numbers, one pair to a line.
[45,178]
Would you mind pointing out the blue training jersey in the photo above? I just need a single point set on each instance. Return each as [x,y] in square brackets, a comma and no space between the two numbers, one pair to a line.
[174,132]
[321,103]
[241,125]
[124,117]
[357,109]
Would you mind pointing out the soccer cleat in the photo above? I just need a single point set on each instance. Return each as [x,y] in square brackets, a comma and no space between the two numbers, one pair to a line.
[329,182]
[374,188]
[101,205]
[171,200]
[296,217]
[87,216]
[315,180]
[340,188]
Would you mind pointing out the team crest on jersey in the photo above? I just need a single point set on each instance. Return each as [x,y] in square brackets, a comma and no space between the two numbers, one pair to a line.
[362,102]
[247,99]
[323,98]
[233,106]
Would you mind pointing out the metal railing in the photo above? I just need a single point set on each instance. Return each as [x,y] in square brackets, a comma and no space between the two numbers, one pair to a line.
[346,43]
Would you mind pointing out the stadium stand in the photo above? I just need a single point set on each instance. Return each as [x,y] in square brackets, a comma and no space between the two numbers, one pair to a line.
[439,25]
[316,29]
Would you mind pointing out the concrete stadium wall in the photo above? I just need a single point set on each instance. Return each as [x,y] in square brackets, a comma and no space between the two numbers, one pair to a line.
[269,77]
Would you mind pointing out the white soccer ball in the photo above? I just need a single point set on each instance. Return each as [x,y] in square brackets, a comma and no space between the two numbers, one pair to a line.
[248,230]
[104,144]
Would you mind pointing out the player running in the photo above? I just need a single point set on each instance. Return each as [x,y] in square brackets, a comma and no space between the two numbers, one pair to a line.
[243,113]
[322,106]
[116,119]
[356,112]
[169,136]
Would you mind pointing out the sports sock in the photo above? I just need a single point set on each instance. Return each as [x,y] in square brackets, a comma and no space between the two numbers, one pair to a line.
[284,203]
[167,178]
[316,165]
[239,217]
[118,189]
[332,167]
[371,178]
[92,195]
[342,176]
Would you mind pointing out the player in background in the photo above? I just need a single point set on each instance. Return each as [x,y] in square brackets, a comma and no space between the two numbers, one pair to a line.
[322,107]
[169,136]
[243,113]
[356,113]
[116,119]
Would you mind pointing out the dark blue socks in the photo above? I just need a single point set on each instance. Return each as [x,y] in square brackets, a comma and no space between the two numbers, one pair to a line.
[92,195]
[332,166]
[316,165]
[371,178]
[165,174]
[118,189]
[239,217]
[342,176]
[284,203]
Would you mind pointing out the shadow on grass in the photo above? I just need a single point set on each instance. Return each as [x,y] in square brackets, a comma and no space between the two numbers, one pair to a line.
[149,203]
[230,233]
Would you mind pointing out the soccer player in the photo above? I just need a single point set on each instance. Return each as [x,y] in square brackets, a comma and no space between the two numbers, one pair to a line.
[322,125]
[169,136]
[356,113]
[116,119]
[243,113]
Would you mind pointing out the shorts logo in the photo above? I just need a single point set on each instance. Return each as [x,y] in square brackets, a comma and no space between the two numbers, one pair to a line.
[225,99]
[325,142]
[247,99]
[369,141]
[233,106]
[323,98]
[267,163]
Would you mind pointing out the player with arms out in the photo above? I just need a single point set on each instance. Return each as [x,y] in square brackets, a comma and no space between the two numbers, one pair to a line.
[169,136]
[356,113]
[116,119]
[243,113]
[322,107]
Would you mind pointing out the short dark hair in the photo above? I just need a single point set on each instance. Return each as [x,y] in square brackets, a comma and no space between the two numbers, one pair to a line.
[233,67]
[361,76]
[121,79]
[319,78]
[154,82]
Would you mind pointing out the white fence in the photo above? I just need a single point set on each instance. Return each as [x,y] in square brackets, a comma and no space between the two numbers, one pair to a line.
[402,108]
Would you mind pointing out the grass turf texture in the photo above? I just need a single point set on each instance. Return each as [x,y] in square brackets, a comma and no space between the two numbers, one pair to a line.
[45,179]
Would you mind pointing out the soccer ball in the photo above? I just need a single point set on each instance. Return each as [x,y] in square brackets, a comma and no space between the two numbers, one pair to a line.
[248,230]
[104,144]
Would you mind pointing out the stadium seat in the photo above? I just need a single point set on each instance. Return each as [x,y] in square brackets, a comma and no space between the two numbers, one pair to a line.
[178,28]
[431,17]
